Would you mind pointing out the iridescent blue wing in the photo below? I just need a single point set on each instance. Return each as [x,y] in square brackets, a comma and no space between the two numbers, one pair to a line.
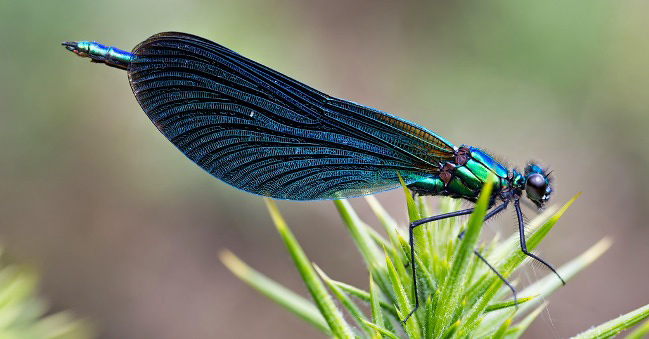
[265,133]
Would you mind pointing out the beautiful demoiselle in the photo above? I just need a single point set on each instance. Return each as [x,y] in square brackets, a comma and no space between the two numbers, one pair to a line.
[265,133]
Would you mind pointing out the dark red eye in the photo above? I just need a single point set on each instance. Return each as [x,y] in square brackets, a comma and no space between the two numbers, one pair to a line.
[535,187]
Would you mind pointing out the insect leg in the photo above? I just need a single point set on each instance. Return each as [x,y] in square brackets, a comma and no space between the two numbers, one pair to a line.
[416,223]
[492,213]
[412,248]
[521,233]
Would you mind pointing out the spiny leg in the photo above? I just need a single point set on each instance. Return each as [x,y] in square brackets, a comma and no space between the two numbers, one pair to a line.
[440,217]
[521,233]
[490,214]
[500,276]
[411,240]
[493,212]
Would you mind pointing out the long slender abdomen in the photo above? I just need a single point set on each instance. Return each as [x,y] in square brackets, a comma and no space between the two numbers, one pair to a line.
[97,52]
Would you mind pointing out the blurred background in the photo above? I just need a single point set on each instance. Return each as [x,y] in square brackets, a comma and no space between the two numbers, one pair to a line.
[126,230]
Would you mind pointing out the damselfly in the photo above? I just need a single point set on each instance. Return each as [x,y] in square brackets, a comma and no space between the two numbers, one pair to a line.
[265,133]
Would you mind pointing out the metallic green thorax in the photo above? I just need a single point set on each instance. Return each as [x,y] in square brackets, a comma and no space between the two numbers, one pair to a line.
[464,177]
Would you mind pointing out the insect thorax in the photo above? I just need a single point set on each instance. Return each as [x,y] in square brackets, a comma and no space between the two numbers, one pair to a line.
[465,176]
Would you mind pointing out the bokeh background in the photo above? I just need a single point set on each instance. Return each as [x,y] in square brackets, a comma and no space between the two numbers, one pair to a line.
[126,231]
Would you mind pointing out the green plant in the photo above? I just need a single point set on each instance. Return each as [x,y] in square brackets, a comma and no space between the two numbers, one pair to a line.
[461,297]
[24,315]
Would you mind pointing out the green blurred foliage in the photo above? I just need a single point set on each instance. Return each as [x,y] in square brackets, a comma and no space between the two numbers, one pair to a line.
[92,192]
[24,315]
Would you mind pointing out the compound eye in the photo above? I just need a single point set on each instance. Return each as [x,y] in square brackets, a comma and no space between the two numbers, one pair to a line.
[535,187]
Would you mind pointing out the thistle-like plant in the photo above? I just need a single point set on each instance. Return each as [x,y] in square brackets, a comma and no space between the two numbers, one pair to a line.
[461,297]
